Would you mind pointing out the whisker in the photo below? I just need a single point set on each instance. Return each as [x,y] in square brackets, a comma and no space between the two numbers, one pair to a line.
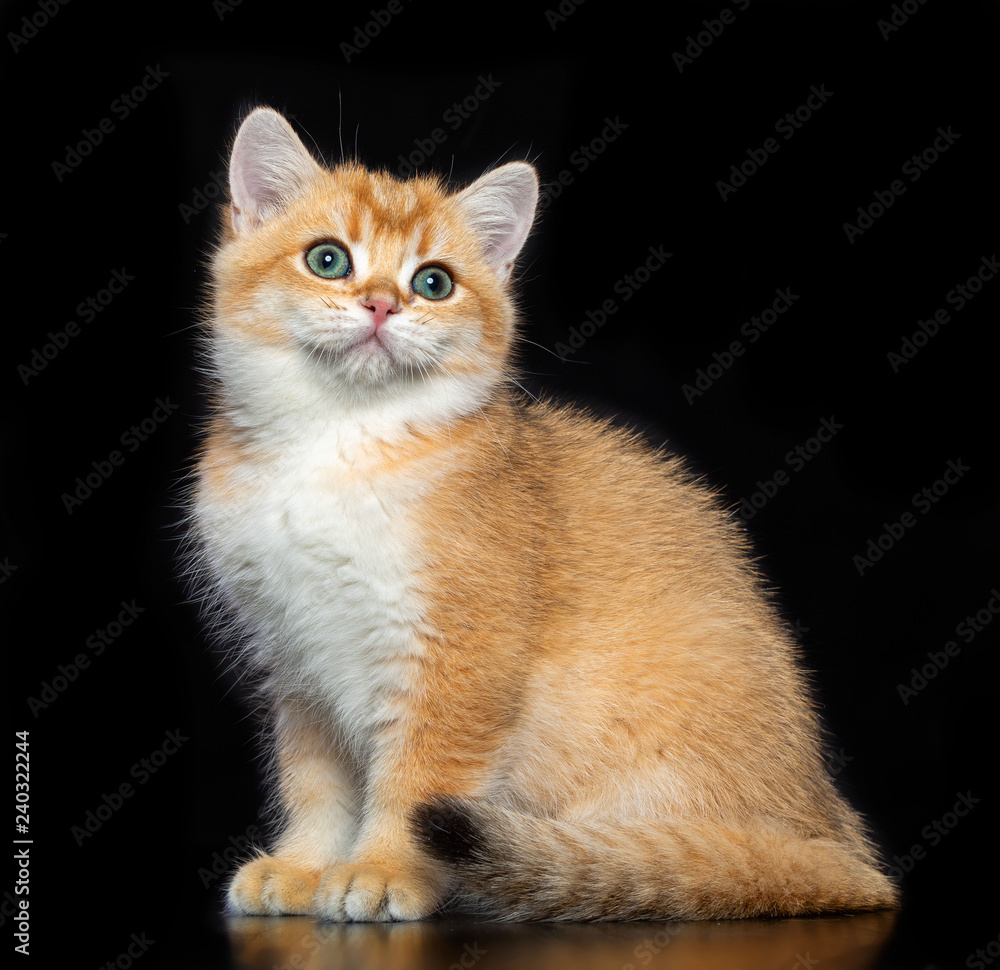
[513,380]
[193,326]
[340,122]
[495,435]
[549,350]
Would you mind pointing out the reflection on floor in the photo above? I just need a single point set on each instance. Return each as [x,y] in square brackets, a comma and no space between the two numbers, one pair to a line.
[302,943]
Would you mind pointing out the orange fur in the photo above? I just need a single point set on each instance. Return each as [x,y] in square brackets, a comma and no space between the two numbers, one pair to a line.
[516,657]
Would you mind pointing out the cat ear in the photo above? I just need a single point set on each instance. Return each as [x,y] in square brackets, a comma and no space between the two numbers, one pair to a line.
[500,206]
[269,167]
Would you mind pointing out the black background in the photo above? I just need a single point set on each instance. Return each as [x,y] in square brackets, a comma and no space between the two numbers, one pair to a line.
[131,204]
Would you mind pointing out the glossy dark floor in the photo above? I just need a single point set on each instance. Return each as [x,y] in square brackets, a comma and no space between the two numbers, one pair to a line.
[301,943]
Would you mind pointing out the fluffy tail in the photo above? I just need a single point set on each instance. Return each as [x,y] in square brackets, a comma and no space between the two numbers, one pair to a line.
[514,866]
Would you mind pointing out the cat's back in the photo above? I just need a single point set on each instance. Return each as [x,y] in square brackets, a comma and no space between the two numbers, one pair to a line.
[580,495]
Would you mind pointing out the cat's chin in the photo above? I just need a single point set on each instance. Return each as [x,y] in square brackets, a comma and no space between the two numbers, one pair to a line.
[372,362]
[367,363]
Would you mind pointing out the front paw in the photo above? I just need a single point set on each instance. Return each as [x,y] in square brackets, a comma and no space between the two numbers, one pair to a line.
[271,886]
[372,893]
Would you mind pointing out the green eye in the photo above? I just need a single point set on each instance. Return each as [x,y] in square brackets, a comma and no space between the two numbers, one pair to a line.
[329,261]
[432,282]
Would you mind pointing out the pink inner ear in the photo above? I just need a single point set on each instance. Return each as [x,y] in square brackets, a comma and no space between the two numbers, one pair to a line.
[244,208]
[510,244]
[252,194]
[269,167]
[501,208]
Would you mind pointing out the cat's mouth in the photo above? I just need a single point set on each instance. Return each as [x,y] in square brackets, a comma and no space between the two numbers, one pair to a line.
[338,341]
[361,351]
[375,343]
[366,354]
[376,340]
[375,357]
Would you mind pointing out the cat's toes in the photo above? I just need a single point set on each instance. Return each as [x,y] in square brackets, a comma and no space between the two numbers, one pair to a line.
[269,886]
[366,893]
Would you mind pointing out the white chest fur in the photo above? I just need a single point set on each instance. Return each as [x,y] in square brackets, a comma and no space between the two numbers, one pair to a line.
[320,567]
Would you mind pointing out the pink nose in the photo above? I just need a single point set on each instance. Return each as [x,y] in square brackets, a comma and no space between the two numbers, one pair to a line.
[380,307]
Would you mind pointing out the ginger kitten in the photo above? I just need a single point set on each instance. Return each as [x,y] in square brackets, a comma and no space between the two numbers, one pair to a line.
[516,660]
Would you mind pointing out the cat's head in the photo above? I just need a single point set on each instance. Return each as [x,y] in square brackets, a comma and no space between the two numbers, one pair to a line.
[372,285]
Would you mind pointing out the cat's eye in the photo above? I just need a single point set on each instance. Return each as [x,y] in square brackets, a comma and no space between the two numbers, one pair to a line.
[329,261]
[432,283]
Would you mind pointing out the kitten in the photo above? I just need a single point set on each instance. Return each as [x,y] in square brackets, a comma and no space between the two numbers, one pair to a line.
[515,659]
